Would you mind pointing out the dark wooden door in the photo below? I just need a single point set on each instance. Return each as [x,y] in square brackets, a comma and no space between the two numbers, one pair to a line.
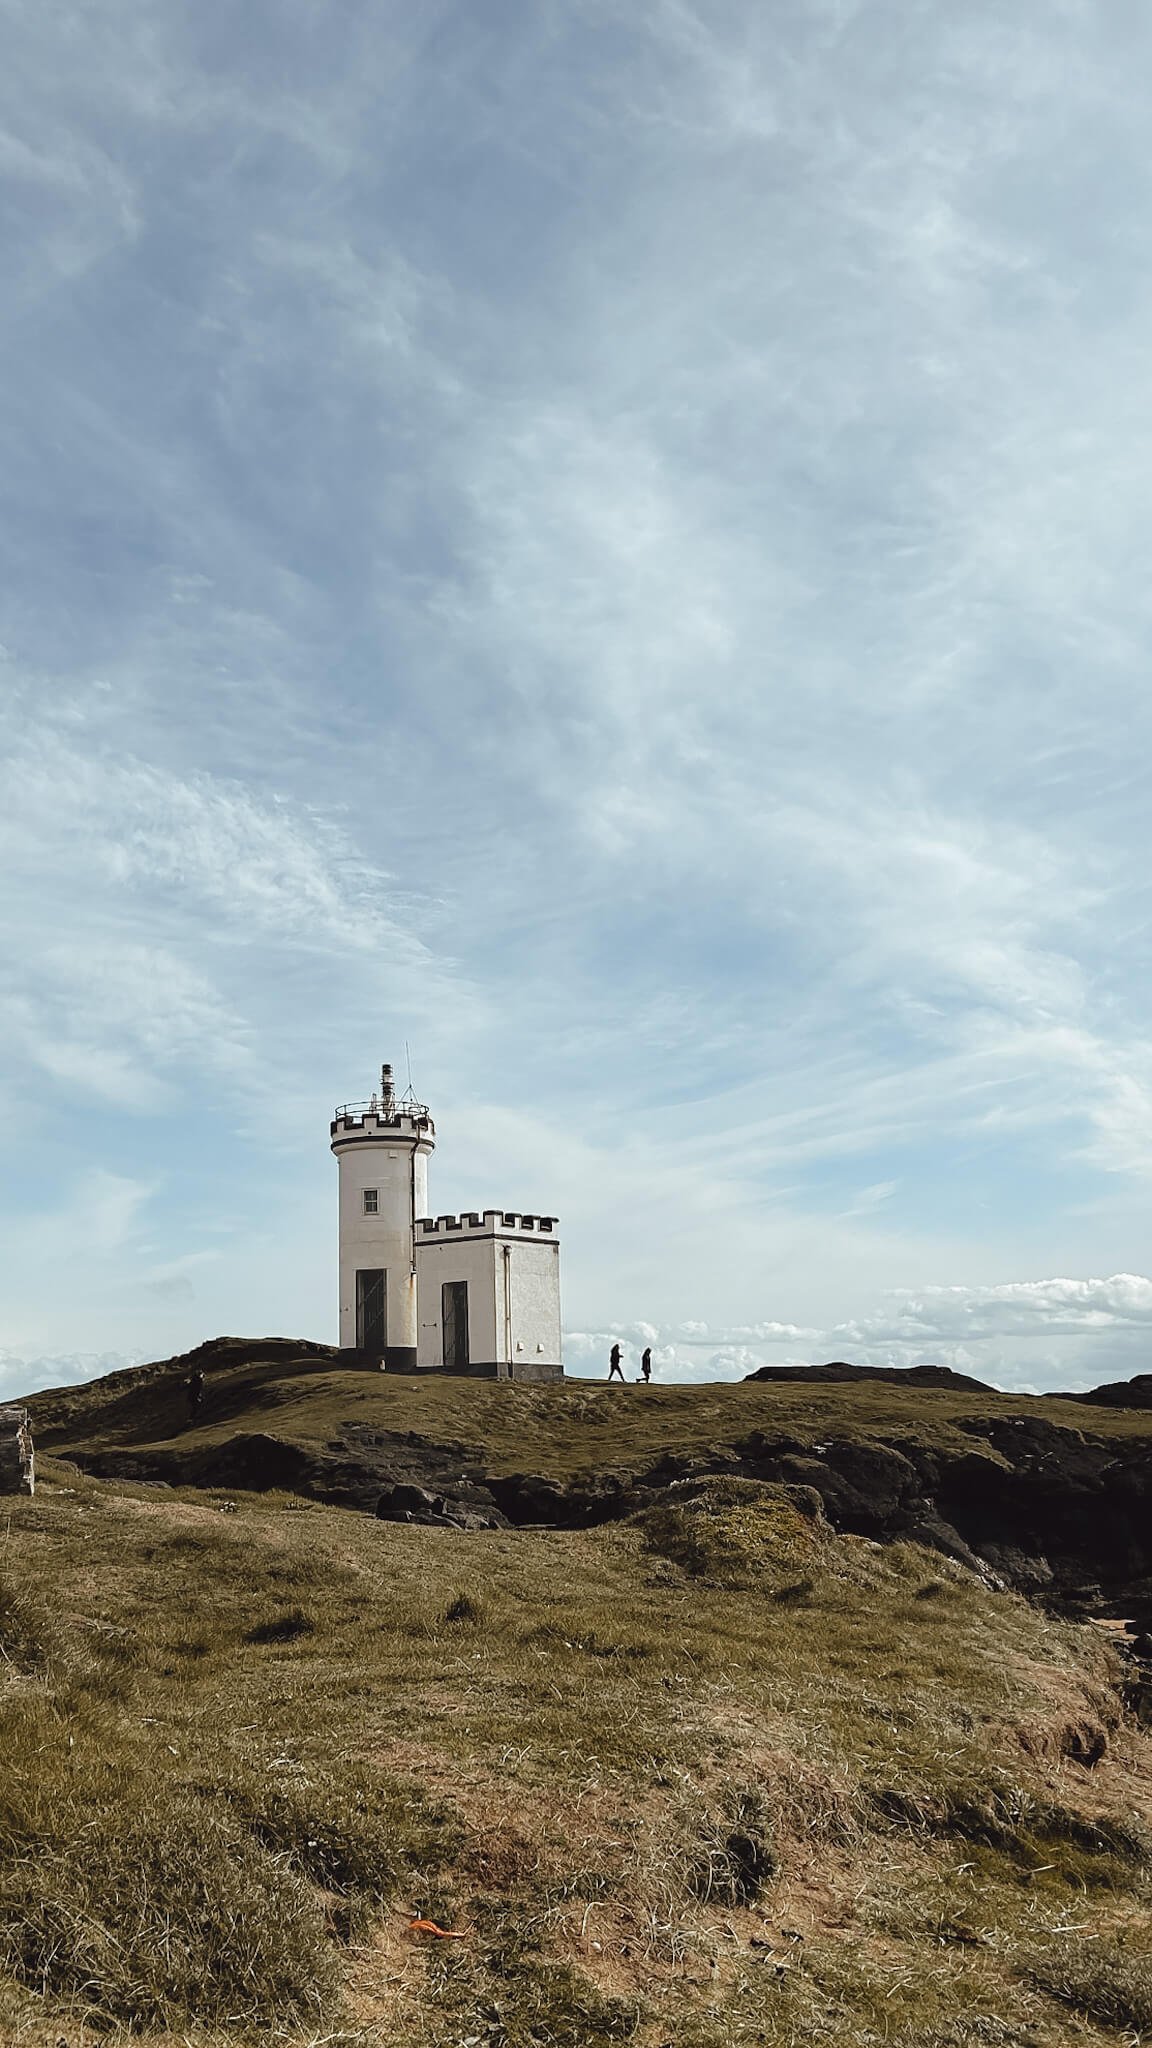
[454,1322]
[372,1310]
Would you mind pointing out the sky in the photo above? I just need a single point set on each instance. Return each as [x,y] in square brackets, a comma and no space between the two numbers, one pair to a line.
[605,547]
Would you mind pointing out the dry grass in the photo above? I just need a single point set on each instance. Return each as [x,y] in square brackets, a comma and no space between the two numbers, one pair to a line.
[721,1778]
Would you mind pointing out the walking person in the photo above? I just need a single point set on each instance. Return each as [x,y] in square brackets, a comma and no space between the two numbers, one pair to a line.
[646,1364]
[615,1369]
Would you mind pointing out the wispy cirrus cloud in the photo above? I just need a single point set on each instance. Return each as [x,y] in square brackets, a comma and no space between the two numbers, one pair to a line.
[183,884]
[610,551]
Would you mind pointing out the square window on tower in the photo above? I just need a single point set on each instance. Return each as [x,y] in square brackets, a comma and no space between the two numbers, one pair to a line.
[371,1201]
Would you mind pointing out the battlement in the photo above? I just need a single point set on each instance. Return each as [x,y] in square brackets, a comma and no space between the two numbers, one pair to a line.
[488,1223]
[356,1121]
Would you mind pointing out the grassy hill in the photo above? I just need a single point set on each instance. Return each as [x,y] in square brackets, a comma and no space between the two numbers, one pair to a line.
[710,1773]
[1046,1493]
[716,1776]
[298,1394]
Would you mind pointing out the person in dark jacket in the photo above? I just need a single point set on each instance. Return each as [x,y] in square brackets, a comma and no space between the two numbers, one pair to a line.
[646,1364]
[615,1369]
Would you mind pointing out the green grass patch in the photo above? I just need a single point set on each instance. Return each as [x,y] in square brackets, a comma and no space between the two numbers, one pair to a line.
[1107,1979]
[125,1895]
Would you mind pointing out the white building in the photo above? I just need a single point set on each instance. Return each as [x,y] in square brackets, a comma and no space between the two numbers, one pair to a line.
[477,1294]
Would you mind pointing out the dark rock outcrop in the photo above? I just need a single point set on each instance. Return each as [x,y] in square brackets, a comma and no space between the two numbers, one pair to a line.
[1056,1513]
[1133,1393]
[839,1372]
[1059,1514]
[431,1510]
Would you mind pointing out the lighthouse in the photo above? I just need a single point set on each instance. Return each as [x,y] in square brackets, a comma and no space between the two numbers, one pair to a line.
[475,1295]
[382,1148]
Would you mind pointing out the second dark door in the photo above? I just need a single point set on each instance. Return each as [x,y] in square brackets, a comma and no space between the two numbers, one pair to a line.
[454,1322]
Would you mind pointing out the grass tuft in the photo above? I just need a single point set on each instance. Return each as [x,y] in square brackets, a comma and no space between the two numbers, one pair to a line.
[25,1630]
[346,1829]
[738,1857]
[143,1906]
[282,1628]
[741,1533]
[463,1610]
[510,1995]
[1105,1979]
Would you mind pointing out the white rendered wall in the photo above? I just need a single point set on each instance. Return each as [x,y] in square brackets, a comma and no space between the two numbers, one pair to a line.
[384,1239]
[534,1272]
[471,1259]
[513,1298]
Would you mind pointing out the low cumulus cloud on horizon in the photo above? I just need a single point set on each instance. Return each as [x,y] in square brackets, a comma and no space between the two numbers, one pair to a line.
[954,1326]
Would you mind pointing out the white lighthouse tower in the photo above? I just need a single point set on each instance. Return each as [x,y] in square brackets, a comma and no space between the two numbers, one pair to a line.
[475,1295]
[382,1148]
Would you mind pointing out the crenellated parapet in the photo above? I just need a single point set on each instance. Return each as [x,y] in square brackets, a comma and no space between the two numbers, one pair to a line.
[484,1223]
[359,1120]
